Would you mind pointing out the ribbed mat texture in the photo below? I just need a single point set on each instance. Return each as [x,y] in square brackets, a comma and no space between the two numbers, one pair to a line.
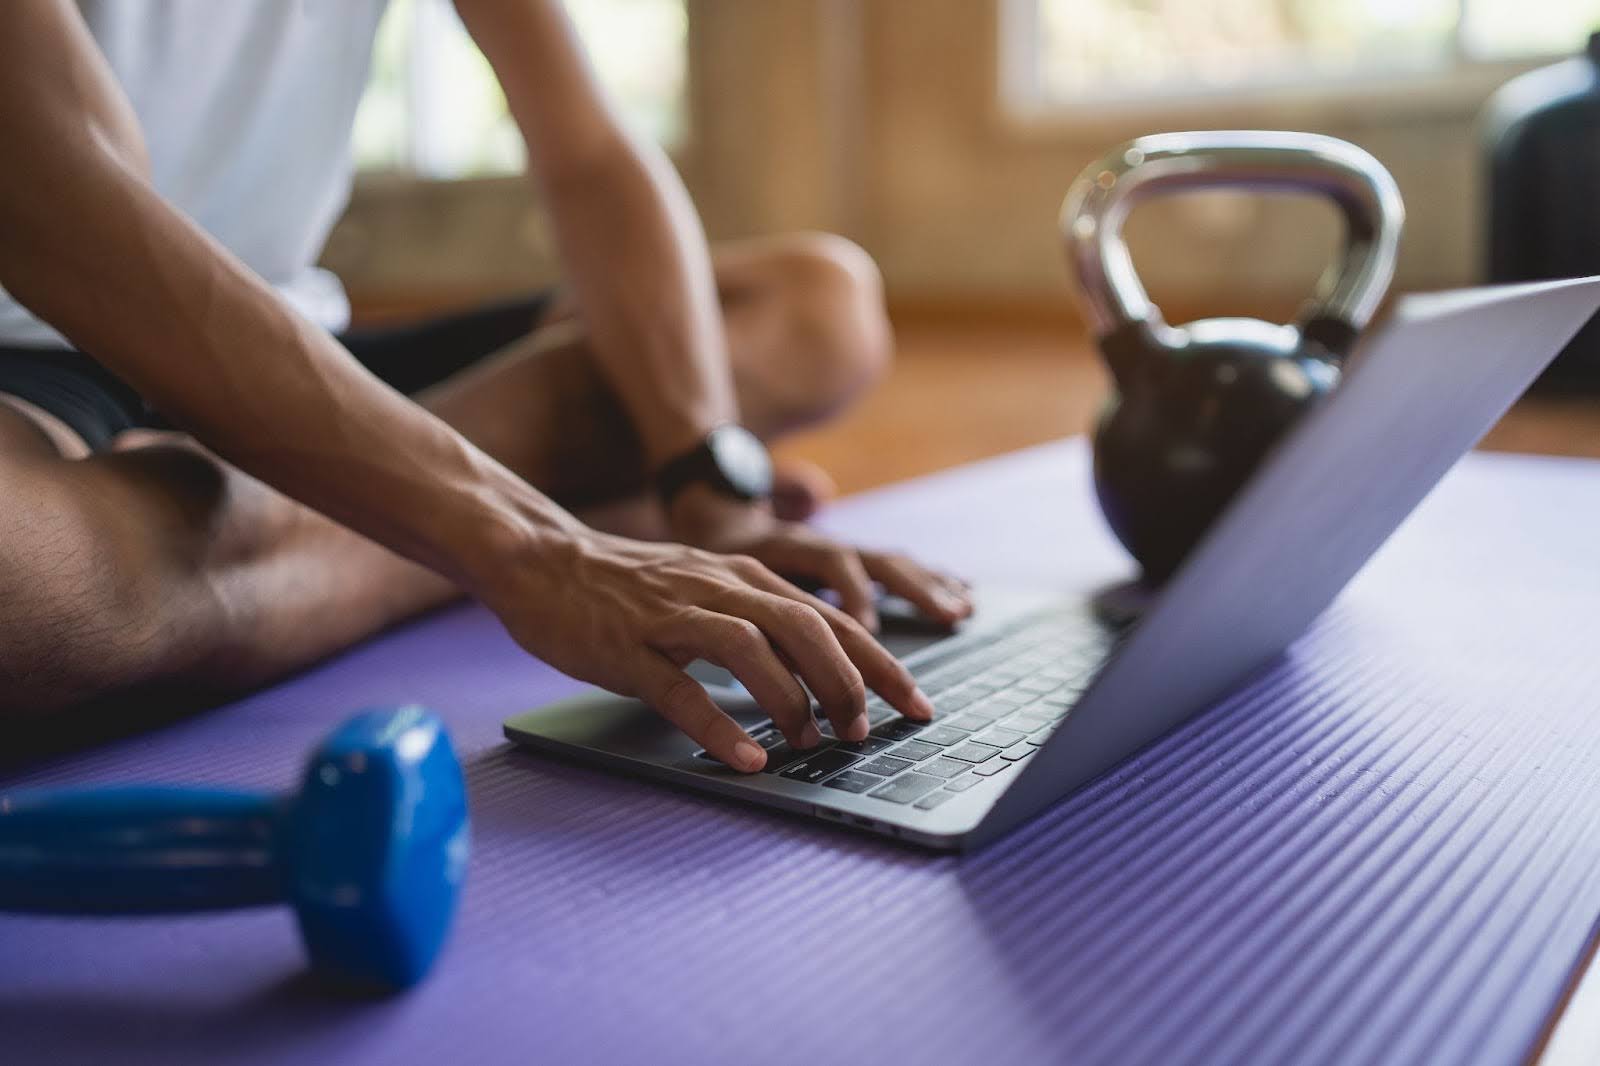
[1385,850]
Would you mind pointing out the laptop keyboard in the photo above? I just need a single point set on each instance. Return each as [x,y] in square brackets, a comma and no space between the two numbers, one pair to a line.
[996,698]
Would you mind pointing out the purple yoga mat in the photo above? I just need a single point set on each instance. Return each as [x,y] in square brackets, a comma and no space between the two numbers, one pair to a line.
[1386,850]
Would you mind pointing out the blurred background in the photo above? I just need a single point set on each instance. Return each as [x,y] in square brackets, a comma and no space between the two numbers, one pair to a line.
[941,136]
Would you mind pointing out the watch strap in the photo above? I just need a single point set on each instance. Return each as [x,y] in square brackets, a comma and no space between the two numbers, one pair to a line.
[698,465]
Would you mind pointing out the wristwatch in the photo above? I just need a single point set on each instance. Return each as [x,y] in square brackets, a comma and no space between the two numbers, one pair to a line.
[730,461]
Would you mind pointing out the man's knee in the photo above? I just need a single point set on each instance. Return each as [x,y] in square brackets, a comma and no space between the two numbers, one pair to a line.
[87,606]
[833,300]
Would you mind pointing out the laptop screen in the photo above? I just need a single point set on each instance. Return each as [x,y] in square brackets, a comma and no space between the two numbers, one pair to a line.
[1418,393]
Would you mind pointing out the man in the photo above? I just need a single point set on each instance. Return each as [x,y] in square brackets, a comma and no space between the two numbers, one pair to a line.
[218,492]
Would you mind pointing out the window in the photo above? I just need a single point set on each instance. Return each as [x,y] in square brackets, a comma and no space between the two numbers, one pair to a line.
[1062,52]
[433,107]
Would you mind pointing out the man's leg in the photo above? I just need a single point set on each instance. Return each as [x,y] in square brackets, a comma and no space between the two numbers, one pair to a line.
[807,334]
[158,565]
[161,566]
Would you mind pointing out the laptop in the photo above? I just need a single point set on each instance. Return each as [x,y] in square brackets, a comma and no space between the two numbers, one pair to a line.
[1035,699]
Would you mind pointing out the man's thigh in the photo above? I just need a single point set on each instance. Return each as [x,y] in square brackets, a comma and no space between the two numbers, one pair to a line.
[156,564]
[75,583]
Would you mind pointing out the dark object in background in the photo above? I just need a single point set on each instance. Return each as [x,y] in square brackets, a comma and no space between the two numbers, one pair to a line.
[1542,139]
[371,852]
[1199,406]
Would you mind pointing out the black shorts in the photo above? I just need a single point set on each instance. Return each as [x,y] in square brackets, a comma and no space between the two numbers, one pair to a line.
[99,405]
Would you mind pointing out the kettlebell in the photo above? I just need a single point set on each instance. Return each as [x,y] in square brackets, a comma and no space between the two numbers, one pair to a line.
[1197,407]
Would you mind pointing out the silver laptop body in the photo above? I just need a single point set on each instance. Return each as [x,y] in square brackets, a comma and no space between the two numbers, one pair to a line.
[1418,393]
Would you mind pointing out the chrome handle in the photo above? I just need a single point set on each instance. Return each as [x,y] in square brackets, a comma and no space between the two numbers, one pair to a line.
[1101,199]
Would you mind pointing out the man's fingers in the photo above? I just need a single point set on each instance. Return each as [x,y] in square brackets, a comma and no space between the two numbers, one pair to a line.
[880,671]
[740,646]
[844,572]
[681,700]
[812,650]
[832,566]
[959,585]
[930,593]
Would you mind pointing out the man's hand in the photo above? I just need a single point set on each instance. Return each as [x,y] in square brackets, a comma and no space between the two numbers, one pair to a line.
[706,520]
[629,615]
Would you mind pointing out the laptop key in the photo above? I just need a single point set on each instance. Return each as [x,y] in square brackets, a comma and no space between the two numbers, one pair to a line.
[780,757]
[942,767]
[1020,750]
[971,722]
[907,788]
[899,729]
[951,705]
[961,784]
[933,799]
[916,750]
[853,781]
[990,769]
[819,766]
[973,752]
[886,766]
[942,735]
[870,746]
[1001,738]
[769,739]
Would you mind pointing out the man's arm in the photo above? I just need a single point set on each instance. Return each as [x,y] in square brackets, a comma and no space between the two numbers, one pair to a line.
[636,258]
[90,247]
[631,243]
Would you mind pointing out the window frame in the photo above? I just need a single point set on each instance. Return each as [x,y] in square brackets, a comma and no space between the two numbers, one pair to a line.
[418,163]
[1456,86]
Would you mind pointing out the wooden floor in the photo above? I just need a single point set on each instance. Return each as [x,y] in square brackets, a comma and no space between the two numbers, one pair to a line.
[962,391]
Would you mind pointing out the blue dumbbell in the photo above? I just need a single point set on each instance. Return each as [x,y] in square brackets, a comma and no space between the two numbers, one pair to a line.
[371,853]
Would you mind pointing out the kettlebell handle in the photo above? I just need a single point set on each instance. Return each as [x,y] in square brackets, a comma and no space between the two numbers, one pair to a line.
[1349,292]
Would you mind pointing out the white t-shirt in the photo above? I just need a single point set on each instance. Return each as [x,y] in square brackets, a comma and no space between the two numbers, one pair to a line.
[247,108]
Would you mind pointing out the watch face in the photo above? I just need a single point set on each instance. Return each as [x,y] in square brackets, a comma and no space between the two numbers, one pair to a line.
[743,460]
